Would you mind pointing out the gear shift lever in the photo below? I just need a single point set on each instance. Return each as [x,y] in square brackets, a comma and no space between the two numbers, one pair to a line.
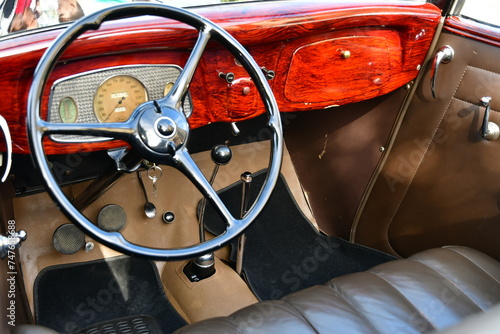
[203,267]
[221,155]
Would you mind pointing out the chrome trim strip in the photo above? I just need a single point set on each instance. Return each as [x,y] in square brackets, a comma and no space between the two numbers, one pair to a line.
[8,143]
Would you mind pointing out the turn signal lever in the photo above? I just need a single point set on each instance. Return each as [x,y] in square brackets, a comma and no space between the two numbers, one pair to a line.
[203,267]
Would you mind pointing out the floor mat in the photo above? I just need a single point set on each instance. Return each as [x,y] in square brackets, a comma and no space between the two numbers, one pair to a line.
[284,252]
[72,297]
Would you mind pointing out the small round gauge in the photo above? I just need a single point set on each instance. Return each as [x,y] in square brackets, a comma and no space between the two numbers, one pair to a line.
[168,88]
[68,110]
[117,97]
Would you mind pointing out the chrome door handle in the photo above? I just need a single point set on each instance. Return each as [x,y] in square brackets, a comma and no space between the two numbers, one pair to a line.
[4,127]
[443,56]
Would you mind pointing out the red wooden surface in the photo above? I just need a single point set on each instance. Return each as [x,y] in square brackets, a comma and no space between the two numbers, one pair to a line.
[319,72]
[475,30]
[272,33]
[351,80]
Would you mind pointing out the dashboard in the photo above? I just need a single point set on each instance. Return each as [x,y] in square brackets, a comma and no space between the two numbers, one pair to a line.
[322,55]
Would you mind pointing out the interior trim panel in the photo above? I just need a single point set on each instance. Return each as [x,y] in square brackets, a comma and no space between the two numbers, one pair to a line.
[417,202]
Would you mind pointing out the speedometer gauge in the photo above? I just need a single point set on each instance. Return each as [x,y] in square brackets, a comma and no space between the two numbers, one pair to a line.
[117,97]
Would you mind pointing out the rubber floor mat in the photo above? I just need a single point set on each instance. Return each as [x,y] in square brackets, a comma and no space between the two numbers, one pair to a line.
[74,296]
[283,251]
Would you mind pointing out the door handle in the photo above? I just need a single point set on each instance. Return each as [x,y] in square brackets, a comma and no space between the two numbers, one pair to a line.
[4,128]
[443,56]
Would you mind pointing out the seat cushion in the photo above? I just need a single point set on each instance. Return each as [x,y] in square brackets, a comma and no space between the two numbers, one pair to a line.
[431,290]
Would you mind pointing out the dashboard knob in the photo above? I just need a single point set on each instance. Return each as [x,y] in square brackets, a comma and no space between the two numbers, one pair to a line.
[221,154]
[346,54]
[229,77]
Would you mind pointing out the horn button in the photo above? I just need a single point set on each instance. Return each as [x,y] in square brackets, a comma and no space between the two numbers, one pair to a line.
[163,131]
[165,127]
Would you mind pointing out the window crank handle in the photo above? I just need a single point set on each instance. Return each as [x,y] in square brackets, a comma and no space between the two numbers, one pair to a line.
[489,130]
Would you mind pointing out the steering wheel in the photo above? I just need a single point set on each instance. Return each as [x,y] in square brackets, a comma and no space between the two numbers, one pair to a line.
[157,130]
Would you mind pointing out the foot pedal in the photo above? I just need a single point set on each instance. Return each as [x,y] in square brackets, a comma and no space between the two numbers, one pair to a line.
[141,324]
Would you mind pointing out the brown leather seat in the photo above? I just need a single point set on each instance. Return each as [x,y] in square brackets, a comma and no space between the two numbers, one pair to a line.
[431,290]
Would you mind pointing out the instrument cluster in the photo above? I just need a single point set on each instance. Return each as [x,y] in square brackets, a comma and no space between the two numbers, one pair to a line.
[109,95]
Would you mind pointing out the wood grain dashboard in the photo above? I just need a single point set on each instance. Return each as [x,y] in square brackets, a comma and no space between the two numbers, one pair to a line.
[323,55]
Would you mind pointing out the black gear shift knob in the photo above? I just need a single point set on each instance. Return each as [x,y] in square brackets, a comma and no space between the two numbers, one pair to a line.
[221,154]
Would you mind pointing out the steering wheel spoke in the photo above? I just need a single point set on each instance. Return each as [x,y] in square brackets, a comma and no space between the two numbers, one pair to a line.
[175,98]
[123,131]
[189,168]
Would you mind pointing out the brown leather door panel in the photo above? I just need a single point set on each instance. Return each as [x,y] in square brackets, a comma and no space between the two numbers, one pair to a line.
[440,184]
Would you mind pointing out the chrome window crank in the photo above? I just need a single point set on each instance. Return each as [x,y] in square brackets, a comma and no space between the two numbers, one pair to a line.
[443,56]
[489,131]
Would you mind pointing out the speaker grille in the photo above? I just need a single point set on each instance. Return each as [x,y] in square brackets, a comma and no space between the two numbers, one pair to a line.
[111,218]
[68,239]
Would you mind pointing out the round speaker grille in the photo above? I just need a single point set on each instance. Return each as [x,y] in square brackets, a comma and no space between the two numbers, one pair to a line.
[111,218]
[68,239]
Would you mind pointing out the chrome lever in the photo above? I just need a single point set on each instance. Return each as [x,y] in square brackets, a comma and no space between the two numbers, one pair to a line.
[202,267]
[10,242]
[443,56]
[489,130]
[246,178]
[4,128]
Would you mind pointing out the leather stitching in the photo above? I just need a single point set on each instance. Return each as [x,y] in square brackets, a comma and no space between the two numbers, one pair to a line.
[449,280]
[474,263]
[482,69]
[422,159]
[473,104]
[337,289]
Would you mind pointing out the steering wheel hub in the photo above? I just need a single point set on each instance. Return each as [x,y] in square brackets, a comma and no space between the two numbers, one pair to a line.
[162,132]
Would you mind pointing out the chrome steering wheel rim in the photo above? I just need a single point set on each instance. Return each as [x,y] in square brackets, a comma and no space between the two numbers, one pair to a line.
[179,158]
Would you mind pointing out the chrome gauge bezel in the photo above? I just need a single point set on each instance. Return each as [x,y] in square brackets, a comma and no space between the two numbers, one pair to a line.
[82,87]
[142,91]
[72,102]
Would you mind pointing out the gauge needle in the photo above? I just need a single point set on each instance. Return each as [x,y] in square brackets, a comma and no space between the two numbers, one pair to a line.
[111,113]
